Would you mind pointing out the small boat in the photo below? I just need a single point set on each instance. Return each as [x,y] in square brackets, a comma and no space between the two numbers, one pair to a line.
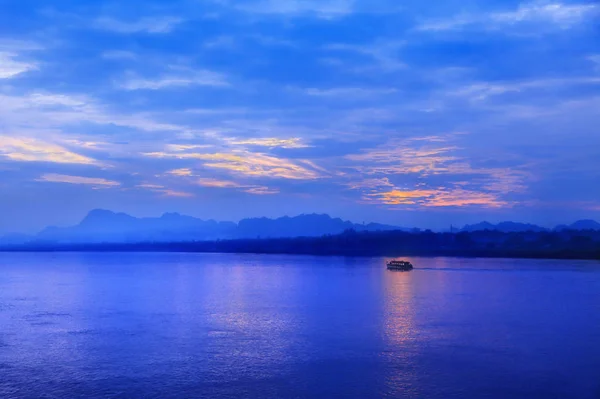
[399,265]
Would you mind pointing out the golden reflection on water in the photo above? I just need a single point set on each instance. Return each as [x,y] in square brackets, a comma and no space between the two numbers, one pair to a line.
[400,334]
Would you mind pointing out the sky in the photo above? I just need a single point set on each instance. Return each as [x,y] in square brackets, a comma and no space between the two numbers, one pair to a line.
[407,112]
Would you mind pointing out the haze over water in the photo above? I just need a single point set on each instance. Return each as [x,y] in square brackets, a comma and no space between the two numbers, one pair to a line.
[249,326]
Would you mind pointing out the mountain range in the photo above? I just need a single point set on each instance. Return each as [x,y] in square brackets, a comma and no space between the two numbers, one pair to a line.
[515,227]
[505,227]
[103,226]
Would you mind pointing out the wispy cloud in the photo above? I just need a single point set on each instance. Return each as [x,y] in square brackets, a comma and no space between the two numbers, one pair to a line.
[90,181]
[154,25]
[558,14]
[424,160]
[349,92]
[248,163]
[175,193]
[442,197]
[179,77]
[320,8]
[164,191]
[181,172]
[186,147]
[11,66]
[270,142]
[34,150]
[41,111]
[403,157]
[483,90]
[216,183]
[250,189]
[370,184]
[262,190]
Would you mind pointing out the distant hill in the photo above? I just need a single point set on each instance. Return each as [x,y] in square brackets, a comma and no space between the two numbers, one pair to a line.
[505,227]
[580,225]
[106,226]
[303,226]
[103,226]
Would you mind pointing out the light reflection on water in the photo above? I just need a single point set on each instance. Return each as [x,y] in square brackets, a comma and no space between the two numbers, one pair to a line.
[191,325]
[400,334]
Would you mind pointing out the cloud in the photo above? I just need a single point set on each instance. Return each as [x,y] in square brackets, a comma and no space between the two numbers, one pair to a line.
[247,163]
[186,147]
[42,111]
[561,15]
[34,150]
[215,183]
[327,9]
[403,197]
[250,189]
[150,186]
[454,197]
[93,145]
[271,142]
[403,157]
[257,164]
[179,78]
[175,193]
[153,25]
[261,190]
[424,160]
[10,67]
[181,172]
[91,181]
[483,90]
[370,184]
[349,92]
[167,192]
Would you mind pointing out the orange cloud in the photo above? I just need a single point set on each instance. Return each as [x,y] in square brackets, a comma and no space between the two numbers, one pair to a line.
[427,157]
[248,163]
[208,182]
[404,197]
[180,172]
[33,150]
[456,197]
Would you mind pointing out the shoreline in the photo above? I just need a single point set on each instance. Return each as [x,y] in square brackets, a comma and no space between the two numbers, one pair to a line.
[141,248]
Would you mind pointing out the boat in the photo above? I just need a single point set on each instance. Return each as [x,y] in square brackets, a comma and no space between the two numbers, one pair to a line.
[401,265]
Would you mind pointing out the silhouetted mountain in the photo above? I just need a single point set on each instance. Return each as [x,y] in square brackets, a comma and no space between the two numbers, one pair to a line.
[302,226]
[505,227]
[102,226]
[580,225]
[106,226]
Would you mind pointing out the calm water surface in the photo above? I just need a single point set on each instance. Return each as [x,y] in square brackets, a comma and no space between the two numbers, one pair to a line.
[249,326]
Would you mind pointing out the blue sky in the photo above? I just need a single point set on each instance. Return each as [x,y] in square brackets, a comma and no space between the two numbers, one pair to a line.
[407,112]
